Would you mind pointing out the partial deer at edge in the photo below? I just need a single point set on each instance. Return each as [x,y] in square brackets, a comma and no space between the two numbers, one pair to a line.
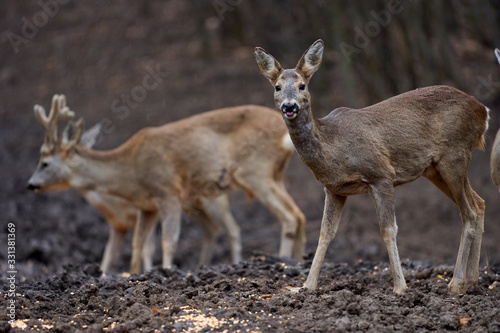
[428,132]
[187,165]
[495,150]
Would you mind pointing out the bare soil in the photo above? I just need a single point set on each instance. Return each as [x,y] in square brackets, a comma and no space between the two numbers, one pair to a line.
[95,53]
[253,296]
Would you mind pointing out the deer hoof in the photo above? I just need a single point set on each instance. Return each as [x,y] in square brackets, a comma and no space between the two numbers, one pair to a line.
[293,290]
[400,290]
[457,288]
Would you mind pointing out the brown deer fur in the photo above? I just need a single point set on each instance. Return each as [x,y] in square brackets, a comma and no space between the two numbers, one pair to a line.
[186,165]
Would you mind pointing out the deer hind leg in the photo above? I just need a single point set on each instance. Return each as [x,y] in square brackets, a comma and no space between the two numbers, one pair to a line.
[383,196]
[273,196]
[149,249]
[218,210]
[435,177]
[170,216]
[198,213]
[471,208]
[334,205]
[112,249]
[299,246]
[472,270]
[145,222]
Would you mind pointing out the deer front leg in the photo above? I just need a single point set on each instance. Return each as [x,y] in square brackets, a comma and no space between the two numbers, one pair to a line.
[113,246]
[334,205]
[383,196]
[170,214]
[145,222]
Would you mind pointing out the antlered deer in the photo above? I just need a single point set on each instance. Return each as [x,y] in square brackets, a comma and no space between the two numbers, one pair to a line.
[190,164]
[495,150]
[428,132]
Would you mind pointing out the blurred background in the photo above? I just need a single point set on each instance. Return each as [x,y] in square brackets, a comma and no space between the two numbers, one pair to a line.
[98,53]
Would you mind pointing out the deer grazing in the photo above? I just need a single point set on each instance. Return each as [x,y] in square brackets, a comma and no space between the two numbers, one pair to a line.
[428,132]
[187,165]
[495,150]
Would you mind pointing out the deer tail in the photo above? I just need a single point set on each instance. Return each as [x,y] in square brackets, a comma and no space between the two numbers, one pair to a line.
[481,143]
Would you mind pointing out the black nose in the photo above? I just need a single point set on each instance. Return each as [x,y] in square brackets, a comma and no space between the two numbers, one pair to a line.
[32,187]
[289,107]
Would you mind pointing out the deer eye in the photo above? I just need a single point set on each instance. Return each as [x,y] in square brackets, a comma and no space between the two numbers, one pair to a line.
[302,87]
[44,165]
[278,88]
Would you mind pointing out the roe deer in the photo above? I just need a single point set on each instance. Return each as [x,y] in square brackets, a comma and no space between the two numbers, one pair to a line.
[495,150]
[428,132]
[190,164]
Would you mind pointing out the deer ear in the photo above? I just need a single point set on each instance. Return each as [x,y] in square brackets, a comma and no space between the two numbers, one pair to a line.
[72,134]
[269,67]
[89,137]
[311,59]
[497,53]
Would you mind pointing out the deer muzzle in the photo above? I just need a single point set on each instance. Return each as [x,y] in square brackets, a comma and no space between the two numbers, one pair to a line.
[33,187]
[290,110]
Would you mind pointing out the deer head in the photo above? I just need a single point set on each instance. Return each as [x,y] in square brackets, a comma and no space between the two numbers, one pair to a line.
[54,168]
[291,93]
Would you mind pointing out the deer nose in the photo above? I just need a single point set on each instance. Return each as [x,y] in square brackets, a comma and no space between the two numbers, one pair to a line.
[33,187]
[290,107]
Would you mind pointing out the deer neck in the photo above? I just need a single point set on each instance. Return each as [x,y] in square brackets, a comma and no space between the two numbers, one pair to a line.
[304,132]
[103,171]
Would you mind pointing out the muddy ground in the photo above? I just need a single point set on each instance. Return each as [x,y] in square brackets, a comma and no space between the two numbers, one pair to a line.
[253,296]
[94,53]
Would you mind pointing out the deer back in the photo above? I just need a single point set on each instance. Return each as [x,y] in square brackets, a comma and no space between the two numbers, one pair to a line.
[398,138]
[200,154]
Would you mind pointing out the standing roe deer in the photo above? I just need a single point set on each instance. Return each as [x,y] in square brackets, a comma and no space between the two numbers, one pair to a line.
[190,164]
[428,132]
[495,150]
